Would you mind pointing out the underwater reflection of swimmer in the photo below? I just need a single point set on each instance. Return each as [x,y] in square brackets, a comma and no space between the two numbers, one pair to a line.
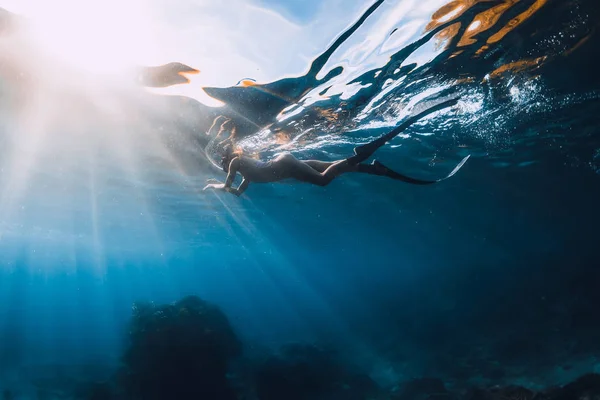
[174,73]
[321,173]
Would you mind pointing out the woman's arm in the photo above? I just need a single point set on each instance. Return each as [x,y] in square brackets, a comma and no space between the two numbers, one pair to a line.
[233,168]
[240,189]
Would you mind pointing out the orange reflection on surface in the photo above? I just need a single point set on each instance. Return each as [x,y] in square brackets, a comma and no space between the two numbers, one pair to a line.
[456,53]
[449,12]
[482,22]
[247,83]
[518,66]
[518,20]
[465,80]
[580,43]
[328,114]
[447,34]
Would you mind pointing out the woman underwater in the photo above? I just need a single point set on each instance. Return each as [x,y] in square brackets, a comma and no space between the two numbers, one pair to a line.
[321,173]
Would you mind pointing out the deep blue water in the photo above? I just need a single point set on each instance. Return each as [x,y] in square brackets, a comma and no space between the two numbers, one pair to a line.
[488,278]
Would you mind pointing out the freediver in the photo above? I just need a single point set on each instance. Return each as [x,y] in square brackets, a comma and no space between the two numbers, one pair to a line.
[321,173]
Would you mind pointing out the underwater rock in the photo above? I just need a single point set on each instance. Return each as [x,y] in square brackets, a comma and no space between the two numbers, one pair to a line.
[179,351]
[502,393]
[95,391]
[300,372]
[423,389]
[585,388]
[306,372]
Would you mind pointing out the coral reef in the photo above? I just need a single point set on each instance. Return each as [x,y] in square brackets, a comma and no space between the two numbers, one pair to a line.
[179,351]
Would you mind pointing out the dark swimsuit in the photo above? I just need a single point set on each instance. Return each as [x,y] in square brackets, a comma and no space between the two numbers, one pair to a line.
[262,164]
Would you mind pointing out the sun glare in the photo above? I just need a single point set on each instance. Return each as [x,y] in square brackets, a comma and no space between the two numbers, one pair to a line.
[102,36]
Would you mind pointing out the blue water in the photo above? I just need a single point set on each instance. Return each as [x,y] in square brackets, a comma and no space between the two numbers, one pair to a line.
[488,278]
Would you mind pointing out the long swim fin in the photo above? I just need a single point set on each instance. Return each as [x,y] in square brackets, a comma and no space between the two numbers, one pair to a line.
[398,176]
[363,152]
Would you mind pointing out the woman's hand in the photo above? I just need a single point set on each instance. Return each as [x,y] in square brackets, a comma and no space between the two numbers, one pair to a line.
[214,184]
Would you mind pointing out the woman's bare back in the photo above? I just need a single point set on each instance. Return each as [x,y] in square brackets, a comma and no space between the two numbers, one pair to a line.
[264,171]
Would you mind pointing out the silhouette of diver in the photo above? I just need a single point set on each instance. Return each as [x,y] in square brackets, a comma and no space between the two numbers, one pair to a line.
[321,173]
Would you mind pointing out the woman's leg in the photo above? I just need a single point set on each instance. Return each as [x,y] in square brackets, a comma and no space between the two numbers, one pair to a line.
[303,171]
[310,170]
[319,166]
[377,168]
[365,151]
[322,173]
[319,173]
[362,153]
[336,169]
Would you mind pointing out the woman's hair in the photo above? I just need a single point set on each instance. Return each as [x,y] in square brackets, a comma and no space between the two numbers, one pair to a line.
[227,146]
[229,153]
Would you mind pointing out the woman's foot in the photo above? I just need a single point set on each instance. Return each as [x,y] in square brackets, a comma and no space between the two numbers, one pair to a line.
[381,169]
[367,148]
